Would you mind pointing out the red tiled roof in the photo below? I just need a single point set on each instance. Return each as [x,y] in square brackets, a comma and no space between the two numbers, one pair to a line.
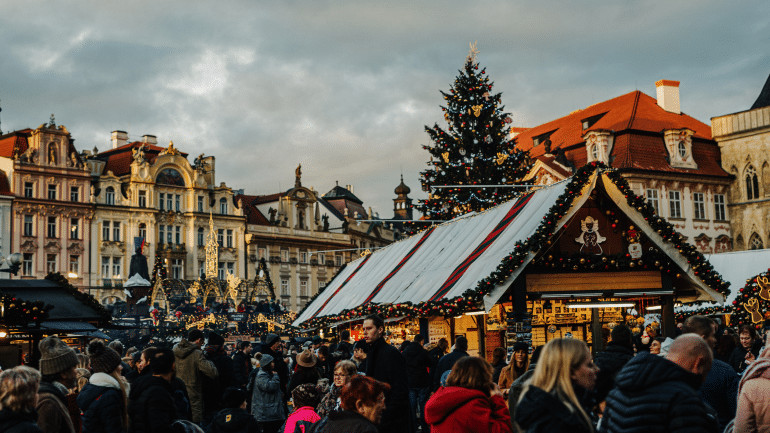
[119,159]
[8,141]
[638,124]
[5,186]
[253,215]
[550,162]
[259,199]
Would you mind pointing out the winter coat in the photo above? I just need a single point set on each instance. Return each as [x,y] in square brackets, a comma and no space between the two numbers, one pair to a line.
[241,369]
[459,410]
[720,391]
[510,373]
[655,394]
[280,367]
[543,412]
[418,366]
[330,401]
[151,406]
[610,361]
[446,363]
[214,388]
[386,364]
[300,420]
[516,389]
[101,403]
[343,422]
[18,422]
[753,413]
[497,369]
[191,365]
[266,398]
[52,413]
[233,421]
[302,376]
[738,357]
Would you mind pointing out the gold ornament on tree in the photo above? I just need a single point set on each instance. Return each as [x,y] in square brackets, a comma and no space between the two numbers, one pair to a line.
[501,157]
[764,288]
[477,110]
[445,156]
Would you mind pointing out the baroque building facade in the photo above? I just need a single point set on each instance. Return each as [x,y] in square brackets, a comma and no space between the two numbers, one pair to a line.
[744,140]
[667,156]
[51,217]
[142,190]
[305,237]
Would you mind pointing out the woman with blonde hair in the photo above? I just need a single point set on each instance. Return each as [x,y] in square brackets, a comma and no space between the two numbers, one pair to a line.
[516,368]
[470,402]
[552,400]
[103,401]
[18,397]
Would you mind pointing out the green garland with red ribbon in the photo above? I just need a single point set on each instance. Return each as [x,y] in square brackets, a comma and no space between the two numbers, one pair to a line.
[472,298]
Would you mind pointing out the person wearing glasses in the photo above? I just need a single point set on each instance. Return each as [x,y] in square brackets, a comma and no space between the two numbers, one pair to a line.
[343,372]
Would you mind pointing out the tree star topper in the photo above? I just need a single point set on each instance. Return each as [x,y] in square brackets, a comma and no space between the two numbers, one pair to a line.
[473,52]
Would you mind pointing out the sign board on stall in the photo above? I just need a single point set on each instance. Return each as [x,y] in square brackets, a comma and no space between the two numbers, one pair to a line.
[437,329]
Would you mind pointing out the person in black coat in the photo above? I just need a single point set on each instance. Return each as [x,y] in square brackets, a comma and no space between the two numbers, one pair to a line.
[385,363]
[19,386]
[242,364]
[306,372]
[214,388]
[233,418]
[151,406]
[619,351]
[748,351]
[102,401]
[659,394]
[273,346]
[448,361]
[419,363]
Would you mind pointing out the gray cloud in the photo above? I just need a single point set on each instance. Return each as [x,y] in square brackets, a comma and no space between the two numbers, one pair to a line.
[346,87]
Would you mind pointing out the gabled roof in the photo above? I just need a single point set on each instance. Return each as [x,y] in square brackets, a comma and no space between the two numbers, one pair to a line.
[120,158]
[763,100]
[253,215]
[66,306]
[454,266]
[339,192]
[5,186]
[14,139]
[637,124]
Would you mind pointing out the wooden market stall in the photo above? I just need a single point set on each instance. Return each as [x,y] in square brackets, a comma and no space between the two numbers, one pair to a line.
[570,259]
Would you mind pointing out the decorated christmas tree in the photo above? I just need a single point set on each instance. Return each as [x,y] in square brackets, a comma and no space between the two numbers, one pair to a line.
[158,270]
[752,306]
[474,149]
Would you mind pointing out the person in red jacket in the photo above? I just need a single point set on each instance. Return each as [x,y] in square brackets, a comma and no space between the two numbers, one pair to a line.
[470,402]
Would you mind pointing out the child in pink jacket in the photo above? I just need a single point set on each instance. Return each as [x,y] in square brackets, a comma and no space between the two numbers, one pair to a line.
[305,398]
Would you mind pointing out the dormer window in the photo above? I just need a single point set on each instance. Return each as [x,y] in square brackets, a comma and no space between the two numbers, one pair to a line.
[590,121]
[542,138]
[679,146]
[599,146]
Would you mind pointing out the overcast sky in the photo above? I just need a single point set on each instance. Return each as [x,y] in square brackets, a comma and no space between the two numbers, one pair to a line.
[345,88]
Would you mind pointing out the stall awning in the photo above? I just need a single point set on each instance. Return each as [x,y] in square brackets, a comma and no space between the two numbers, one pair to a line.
[735,267]
[444,262]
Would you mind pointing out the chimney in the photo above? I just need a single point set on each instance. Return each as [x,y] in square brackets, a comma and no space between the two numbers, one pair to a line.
[349,188]
[119,138]
[149,139]
[668,95]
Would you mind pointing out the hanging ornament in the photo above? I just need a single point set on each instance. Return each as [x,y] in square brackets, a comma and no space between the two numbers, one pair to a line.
[503,180]
[475,141]
[446,116]
[764,288]
[477,110]
[486,96]
[488,139]
[467,171]
[507,119]
[461,151]
[445,156]
[501,157]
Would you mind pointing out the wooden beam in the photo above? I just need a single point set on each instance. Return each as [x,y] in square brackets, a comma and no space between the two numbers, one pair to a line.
[593,282]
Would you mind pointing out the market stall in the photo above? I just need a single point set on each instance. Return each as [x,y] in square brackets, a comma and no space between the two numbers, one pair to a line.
[587,247]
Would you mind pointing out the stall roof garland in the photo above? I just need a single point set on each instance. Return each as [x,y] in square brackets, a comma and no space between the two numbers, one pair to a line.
[472,298]
[85,298]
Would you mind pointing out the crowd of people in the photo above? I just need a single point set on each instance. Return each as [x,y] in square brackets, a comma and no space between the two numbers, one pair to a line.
[708,379]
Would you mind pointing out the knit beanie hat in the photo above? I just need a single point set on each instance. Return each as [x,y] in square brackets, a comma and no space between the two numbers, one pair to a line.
[103,359]
[271,339]
[55,356]
[216,339]
[233,397]
[306,395]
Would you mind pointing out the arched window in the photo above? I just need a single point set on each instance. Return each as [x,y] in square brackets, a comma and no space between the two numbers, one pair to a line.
[755,242]
[223,206]
[143,230]
[682,149]
[109,195]
[752,183]
[595,152]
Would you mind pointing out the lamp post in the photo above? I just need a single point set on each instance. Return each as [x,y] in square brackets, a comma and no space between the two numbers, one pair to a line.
[11,263]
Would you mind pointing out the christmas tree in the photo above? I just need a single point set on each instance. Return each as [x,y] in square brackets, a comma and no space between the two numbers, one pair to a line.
[475,149]
[158,270]
[752,306]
